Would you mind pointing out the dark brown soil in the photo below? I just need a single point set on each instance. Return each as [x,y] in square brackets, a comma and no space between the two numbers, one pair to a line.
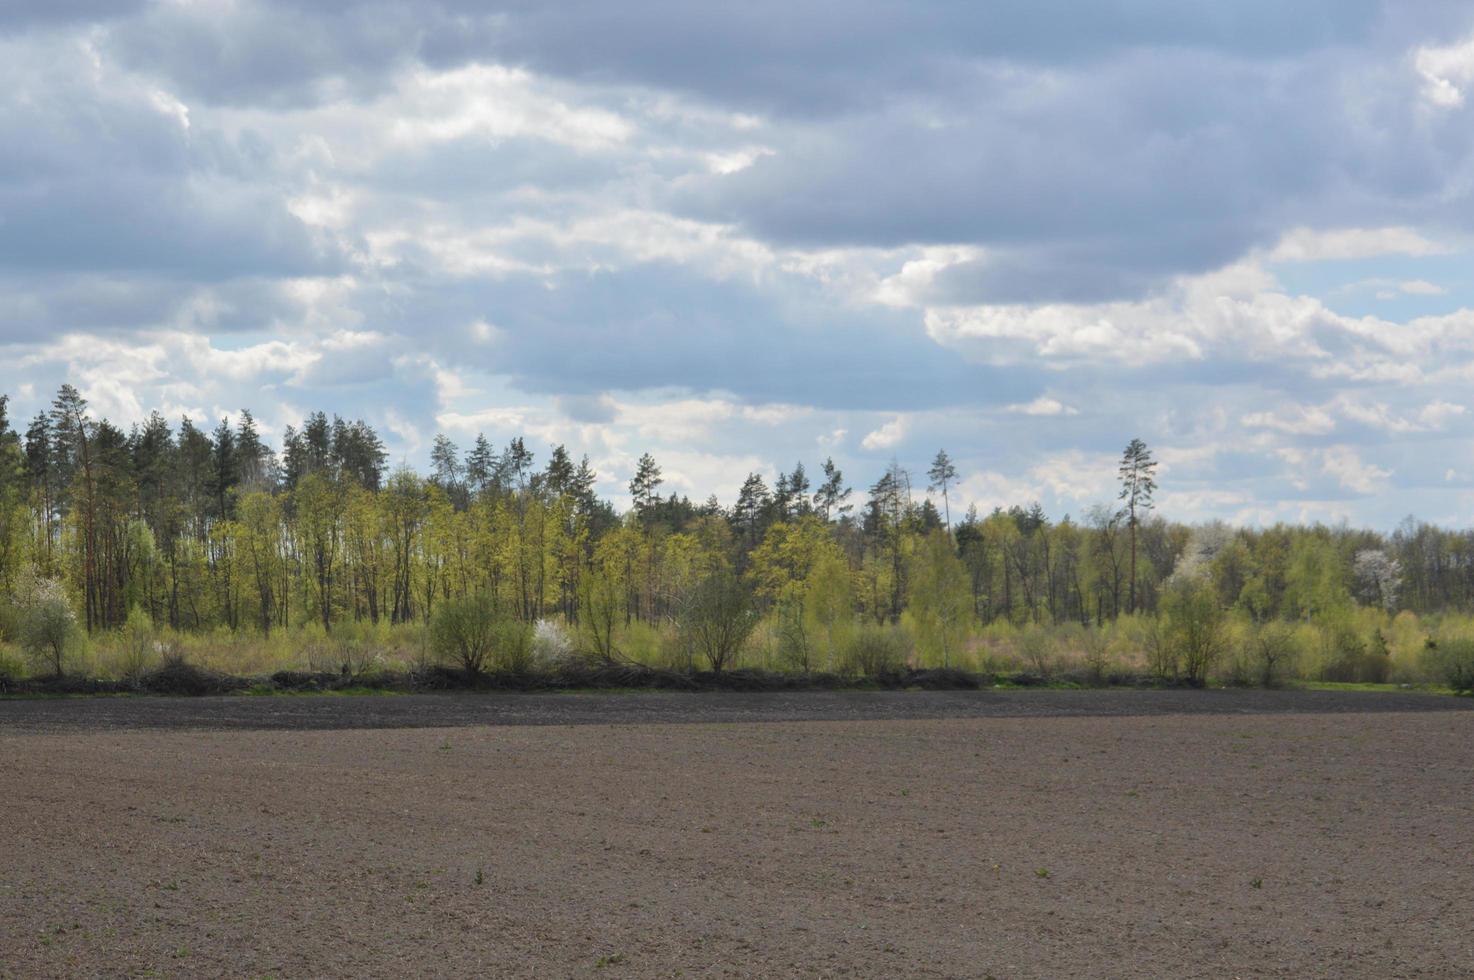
[1116,843]
[454,710]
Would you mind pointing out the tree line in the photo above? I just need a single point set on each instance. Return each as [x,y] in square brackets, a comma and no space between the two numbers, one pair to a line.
[210,527]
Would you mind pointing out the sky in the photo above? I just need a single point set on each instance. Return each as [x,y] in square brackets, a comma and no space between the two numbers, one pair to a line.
[741,236]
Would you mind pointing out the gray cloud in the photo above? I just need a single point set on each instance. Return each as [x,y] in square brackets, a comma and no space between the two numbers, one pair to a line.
[17,15]
[656,326]
[297,182]
[110,178]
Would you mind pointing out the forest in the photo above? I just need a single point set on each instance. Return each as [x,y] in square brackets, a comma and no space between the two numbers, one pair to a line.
[121,549]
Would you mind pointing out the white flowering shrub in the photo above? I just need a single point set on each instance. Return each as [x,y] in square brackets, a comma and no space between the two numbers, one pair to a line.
[551,644]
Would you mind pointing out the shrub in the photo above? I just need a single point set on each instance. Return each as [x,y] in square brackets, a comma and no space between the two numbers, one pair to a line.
[1272,652]
[876,650]
[795,646]
[463,631]
[47,627]
[551,644]
[602,607]
[1096,644]
[1345,656]
[1037,648]
[137,648]
[716,618]
[1195,633]
[11,667]
[512,646]
[1451,660]
[350,650]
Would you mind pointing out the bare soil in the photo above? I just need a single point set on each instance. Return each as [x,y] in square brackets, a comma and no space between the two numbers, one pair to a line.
[445,710]
[1134,839]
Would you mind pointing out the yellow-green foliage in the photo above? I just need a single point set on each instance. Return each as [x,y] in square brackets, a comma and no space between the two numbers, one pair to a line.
[1344,648]
[1406,640]
[874,650]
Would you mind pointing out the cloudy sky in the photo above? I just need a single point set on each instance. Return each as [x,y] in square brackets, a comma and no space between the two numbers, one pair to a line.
[1023,230]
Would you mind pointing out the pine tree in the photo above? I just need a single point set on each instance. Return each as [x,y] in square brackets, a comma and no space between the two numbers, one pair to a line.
[224,469]
[480,464]
[257,464]
[42,476]
[582,487]
[798,486]
[517,462]
[558,477]
[642,486]
[830,499]
[445,462]
[943,474]
[750,513]
[1138,483]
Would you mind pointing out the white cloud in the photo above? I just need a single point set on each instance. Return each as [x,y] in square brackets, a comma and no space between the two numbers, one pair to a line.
[496,103]
[1238,311]
[1311,245]
[1042,406]
[909,286]
[1435,415]
[1421,287]
[1445,71]
[1294,420]
[1350,471]
[887,436]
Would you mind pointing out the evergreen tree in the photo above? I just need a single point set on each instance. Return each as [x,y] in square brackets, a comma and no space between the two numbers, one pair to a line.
[194,459]
[480,465]
[643,486]
[943,474]
[224,469]
[798,487]
[357,453]
[830,499]
[517,463]
[751,513]
[445,462]
[255,461]
[1138,483]
[558,477]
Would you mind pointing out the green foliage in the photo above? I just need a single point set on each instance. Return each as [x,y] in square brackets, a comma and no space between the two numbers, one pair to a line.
[464,630]
[138,646]
[716,618]
[46,626]
[1451,661]
[1036,647]
[512,646]
[875,650]
[1275,652]
[940,602]
[1194,626]
[602,603]
[12,666]
[201,542]
[352,649]
[1095,645]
